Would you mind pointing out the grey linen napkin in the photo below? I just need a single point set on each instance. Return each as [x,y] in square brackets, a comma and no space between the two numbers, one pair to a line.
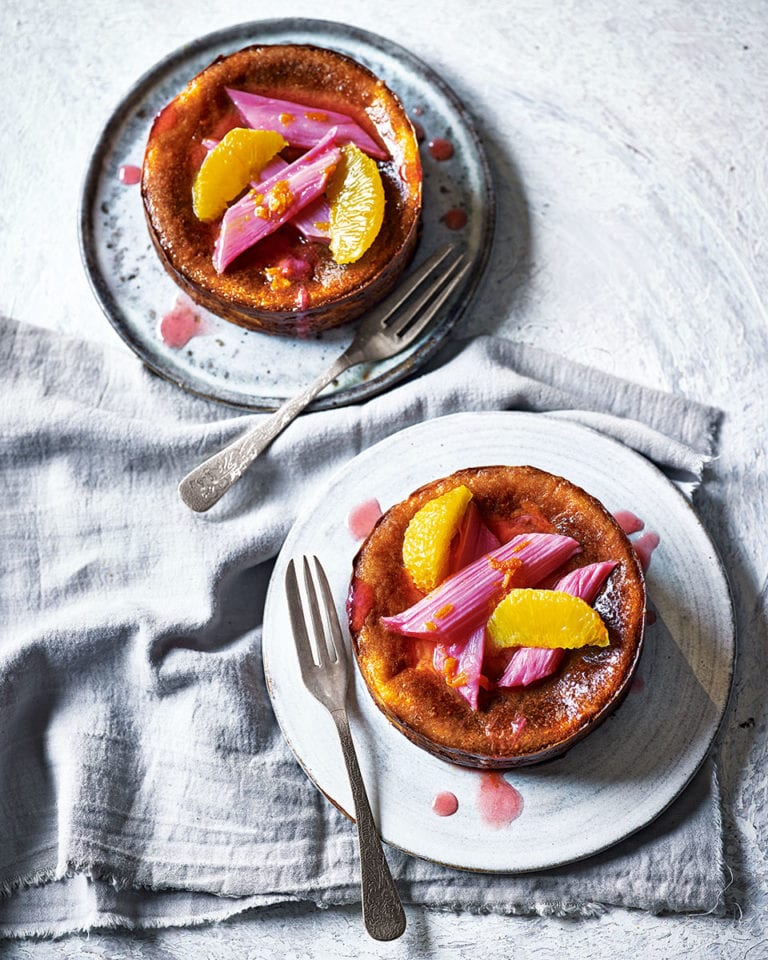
[143,779]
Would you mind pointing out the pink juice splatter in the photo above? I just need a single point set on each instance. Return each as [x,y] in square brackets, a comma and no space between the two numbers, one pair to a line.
[445,804]
[498,801]
[180,324]
[303,328]
[455,218]
[129,174]
[363,518]
[628,522]
[440,148]
[644,547]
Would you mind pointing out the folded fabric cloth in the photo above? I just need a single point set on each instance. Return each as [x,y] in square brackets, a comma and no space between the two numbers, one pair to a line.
[143,779]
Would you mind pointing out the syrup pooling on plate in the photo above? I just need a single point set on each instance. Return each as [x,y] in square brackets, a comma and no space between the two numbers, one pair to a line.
[445,804]
[440,149]
[498,801]
[628,522]
[644,546]
[455,218]
[129,174]
[362,519]
[181,323]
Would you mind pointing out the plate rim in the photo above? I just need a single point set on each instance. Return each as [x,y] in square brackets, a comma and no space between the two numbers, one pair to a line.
[587,432]
[358,392]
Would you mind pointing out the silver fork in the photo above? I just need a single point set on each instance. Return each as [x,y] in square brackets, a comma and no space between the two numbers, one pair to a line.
[387,330]
[323,665]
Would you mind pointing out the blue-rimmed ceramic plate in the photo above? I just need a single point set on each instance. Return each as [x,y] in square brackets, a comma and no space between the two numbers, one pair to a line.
[225,362]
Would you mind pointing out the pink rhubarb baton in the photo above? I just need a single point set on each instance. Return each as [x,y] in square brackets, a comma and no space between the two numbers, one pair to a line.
[302,126]
[534,663]
[276,201]
[473,540]
[586,582]
[461,603]
[314,220]
[461,664]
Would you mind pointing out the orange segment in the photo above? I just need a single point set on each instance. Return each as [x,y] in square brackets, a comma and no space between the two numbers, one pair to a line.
[546,618]
[229,168]
[356,195]
[427,540]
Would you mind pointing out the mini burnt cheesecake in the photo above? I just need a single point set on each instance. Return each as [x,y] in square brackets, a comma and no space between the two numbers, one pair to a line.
[282,188]
[497,615]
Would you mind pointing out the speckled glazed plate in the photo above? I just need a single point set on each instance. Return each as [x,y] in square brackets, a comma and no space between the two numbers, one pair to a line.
[225,362]
[623,774]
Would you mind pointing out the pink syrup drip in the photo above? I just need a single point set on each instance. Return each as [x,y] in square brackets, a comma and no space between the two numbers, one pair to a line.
[302,327]
[650,618]
[129,174]
[295,268]
[637,685]
[445,804]
[628,522]
[363,518]
[440,148]
[181,324]
[302,298]
[455,218]
[499,803]
[644,547]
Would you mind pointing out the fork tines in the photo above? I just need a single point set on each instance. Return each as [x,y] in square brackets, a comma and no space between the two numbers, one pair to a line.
[422,308]
[431,280]
[313,616]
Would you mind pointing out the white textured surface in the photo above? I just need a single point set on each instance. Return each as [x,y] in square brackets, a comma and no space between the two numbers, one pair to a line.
[630,150]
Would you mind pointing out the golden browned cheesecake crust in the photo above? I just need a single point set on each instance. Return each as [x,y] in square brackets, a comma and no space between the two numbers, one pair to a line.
[558,710]
[321,79]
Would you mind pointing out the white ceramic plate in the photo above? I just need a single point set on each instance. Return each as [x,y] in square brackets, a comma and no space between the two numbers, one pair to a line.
[614,782]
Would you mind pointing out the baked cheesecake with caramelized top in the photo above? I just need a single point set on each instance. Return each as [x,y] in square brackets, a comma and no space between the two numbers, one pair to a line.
[497,615]
[343,137]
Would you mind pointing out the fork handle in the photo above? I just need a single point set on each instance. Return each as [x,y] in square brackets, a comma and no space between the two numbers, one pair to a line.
[206,485]
[383,912]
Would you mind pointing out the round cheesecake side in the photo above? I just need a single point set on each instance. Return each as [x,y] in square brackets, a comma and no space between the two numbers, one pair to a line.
[335,294]
[558,710]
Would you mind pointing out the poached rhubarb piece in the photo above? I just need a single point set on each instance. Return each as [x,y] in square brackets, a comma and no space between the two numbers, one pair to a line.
[313,221]
[275,201]
[473,540]
[462,665]
[302,126]
[427,659]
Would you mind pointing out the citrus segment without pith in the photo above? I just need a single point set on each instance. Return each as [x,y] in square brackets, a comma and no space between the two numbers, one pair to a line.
[356,195]
[546,618]
[427,541]
[228,169]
